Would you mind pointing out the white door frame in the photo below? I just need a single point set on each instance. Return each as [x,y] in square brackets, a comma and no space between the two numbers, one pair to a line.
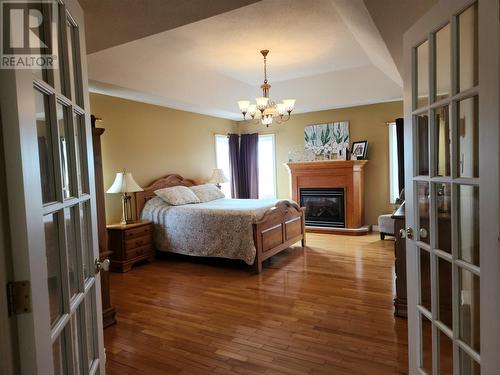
[34,345]
[489,177]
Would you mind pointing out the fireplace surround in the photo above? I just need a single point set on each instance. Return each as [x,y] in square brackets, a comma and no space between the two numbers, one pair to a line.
[334,175]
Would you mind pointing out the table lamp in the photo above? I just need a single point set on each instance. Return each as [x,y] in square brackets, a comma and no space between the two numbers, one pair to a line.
[218,178]
[124,183]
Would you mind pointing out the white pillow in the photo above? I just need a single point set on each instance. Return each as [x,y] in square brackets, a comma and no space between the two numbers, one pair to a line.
[207,192]
[177,195]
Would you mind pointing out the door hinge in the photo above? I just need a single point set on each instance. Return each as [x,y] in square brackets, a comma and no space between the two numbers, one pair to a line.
[19,297]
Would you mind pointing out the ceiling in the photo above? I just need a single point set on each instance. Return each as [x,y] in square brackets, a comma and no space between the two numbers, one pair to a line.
[324,53]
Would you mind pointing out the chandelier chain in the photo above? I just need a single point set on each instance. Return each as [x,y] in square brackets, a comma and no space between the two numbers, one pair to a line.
[265,69]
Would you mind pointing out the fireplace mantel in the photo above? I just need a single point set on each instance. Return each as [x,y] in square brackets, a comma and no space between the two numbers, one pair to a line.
[346,174]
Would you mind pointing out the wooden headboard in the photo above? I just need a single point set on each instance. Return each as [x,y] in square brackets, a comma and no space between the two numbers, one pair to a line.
[168,181]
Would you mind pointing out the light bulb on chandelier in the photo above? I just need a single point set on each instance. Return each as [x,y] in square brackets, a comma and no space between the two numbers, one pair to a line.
[265,109]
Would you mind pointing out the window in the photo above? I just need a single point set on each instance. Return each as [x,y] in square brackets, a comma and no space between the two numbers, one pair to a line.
[267,167]
[266,164]
[393,164]
[222,155]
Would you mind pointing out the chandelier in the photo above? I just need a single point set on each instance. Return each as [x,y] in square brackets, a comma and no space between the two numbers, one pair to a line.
[265,109]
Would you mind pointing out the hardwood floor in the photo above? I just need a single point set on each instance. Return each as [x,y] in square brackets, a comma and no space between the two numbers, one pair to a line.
[323,310]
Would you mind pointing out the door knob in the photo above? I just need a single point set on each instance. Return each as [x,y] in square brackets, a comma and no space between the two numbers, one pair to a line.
[409,233]
[402,233]
[423,233]
[101,265]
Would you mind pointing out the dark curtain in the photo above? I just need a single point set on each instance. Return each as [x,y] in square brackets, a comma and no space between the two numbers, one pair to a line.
[400,139]
[249,172]
[234,163]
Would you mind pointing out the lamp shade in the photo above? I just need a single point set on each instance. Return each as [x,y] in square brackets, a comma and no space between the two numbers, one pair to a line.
[124,183]
[218,177]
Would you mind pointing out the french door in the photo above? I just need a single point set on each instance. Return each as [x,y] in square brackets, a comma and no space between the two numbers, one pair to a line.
[51,203]
[451,94]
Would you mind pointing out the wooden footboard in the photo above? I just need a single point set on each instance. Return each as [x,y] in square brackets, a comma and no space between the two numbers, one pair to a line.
[280,227]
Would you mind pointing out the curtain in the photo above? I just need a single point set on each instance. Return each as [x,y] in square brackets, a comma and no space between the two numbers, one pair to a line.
[249,172]
[400,139]
[234,163]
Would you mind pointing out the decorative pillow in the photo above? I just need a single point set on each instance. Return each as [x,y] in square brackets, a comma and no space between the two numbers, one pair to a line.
[207,192]
[177,195]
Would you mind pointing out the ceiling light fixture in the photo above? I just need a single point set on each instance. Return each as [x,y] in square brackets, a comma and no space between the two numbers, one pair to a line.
[265,109]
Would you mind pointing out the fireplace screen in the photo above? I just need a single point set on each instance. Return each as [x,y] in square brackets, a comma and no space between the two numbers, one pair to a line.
[324,207]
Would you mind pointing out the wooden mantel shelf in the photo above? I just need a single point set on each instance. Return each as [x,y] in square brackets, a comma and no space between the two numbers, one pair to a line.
[346,174]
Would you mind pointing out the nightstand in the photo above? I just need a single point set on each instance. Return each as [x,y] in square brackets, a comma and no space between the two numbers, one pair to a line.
[129,244]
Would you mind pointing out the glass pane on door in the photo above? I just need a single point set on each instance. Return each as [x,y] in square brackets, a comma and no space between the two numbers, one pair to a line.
[59,356]
[468,49]
[445,292]
[468,137]
[70,216]
[422,122]
[66,151]
[469,309]
[443,63]
[53,254]
[445,354]
[426,344]
[425,279]
[442,193]
[422,53]
[45,150]
[443,141]
[91,328]
[468,223]
[422,192]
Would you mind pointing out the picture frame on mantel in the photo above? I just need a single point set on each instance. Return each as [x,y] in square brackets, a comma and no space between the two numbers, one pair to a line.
[359,150]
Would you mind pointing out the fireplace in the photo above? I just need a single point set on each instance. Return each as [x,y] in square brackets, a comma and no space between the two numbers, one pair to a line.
[325,207]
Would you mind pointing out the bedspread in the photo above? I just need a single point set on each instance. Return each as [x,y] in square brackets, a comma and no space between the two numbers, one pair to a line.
[220,228]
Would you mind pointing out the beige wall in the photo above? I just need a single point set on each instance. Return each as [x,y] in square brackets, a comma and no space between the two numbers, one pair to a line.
[366,122]
[152,141]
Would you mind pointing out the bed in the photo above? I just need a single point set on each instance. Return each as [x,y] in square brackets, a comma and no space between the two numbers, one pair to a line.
[252,230]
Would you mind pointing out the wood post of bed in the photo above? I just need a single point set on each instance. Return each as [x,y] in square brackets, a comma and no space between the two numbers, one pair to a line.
[281,226]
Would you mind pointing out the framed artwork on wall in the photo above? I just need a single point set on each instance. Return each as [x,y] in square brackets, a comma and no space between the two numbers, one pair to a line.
[358,150]
[327,140]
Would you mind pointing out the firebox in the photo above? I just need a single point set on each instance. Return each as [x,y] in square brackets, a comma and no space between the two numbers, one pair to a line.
[324,207]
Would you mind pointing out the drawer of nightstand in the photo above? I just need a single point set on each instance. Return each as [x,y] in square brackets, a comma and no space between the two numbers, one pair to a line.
[138,232]
[137,242]
[139,251]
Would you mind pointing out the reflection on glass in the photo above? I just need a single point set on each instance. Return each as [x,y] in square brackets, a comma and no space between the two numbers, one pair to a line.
[443,63]
[468,138]
[443,141]
[445,292]
[426,343]
[423,144]
[53,254]
[45,153]
[467,365]
[425,279]
[443,206]
[81,152]
[423,211]
[71,243]
[87,253]
[75,338]
[90,325]
[59,356]
[445,354]
[65,149]
[469,309]
[468,223]
[467,48]
[423,74]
